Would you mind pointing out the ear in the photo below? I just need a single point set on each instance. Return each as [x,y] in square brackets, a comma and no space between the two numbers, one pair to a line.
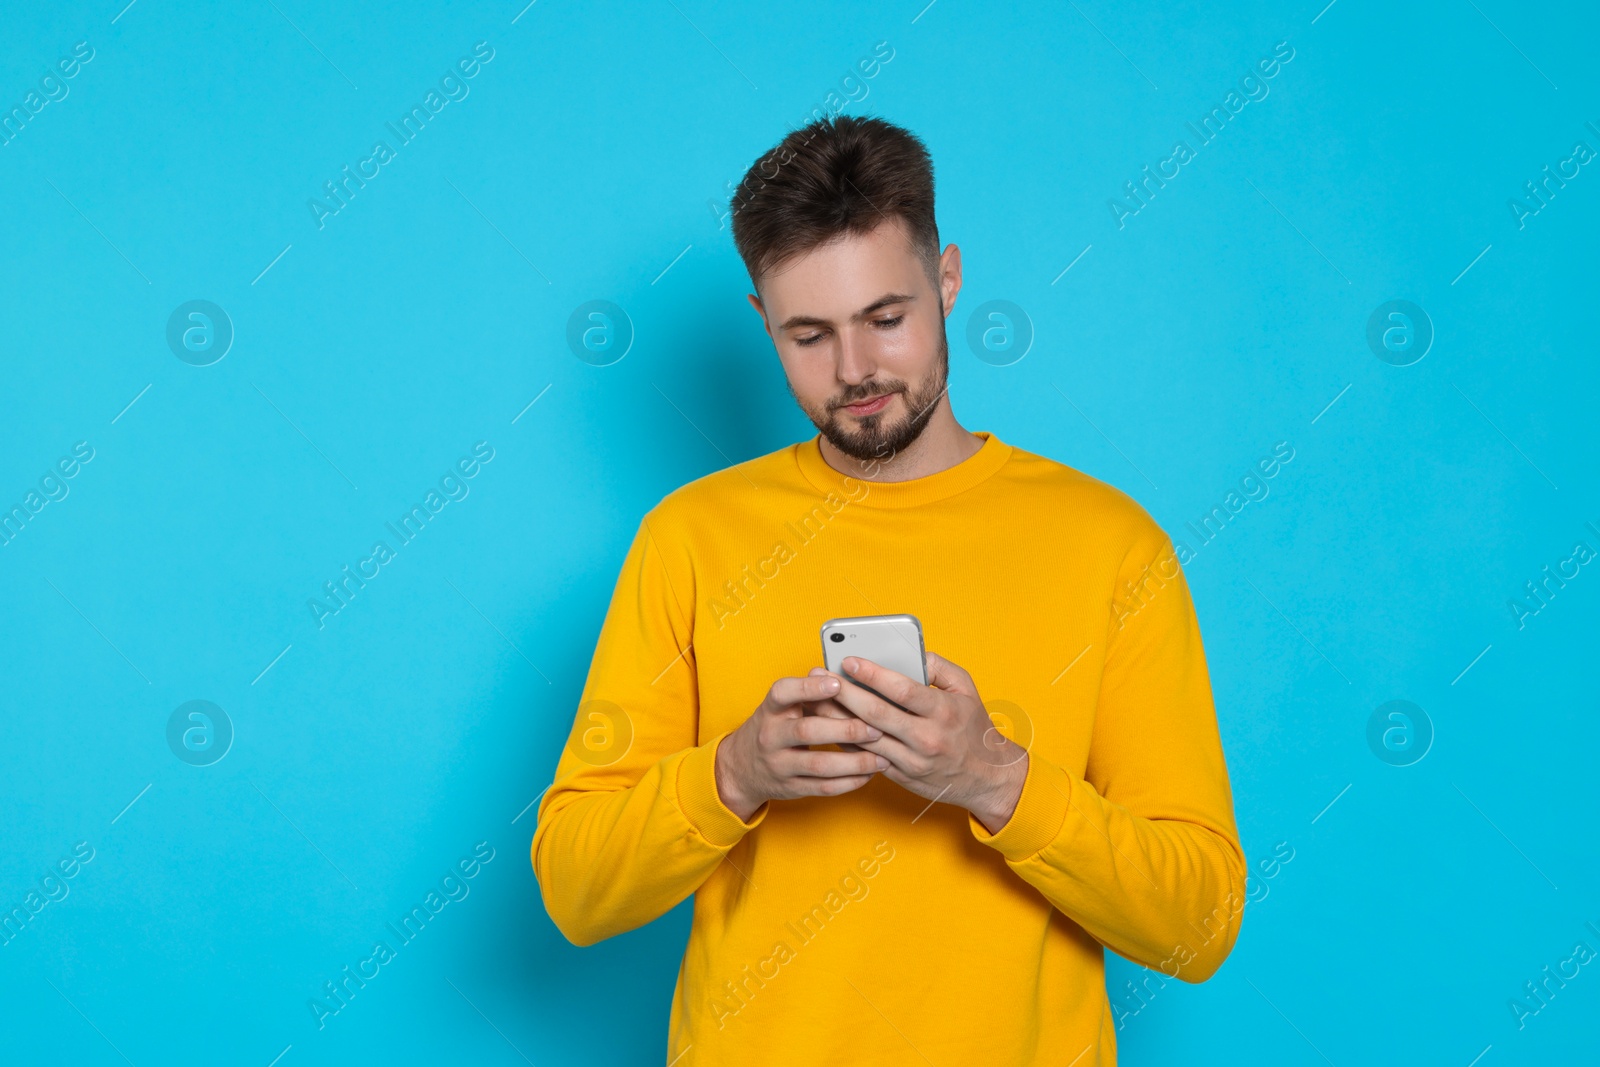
[755,302]
[950,277]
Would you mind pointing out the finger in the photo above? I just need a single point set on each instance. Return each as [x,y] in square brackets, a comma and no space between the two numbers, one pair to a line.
[828,706]
[892,684]
[826,787]
[942,674]
[901,756]
[884,714]
[832,709]
[895,722]
[792,692]
[822,763]
[827,730]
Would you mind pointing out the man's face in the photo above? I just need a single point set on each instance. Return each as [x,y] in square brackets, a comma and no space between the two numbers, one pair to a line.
[859,328]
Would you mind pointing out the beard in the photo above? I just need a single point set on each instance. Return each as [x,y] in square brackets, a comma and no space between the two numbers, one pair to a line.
[871,438]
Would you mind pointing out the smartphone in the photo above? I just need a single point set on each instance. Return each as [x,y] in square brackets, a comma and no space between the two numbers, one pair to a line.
[892,641]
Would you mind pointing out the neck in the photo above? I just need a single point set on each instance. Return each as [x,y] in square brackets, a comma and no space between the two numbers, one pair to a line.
[942,444]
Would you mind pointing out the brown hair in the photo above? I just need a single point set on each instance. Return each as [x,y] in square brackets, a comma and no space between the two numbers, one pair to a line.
[837,176]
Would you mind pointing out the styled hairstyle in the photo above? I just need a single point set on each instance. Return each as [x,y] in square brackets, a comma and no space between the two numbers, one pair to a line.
[840,175]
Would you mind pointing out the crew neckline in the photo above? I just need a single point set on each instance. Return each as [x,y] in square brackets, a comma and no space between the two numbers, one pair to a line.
[983,463]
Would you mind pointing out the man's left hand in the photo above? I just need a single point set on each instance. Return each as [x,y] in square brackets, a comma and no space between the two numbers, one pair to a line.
[940,741]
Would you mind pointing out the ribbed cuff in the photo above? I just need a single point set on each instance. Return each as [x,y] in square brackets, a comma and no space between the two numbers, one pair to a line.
[1040,813]
[700,803]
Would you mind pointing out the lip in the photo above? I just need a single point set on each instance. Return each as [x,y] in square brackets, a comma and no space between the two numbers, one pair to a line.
[870,407]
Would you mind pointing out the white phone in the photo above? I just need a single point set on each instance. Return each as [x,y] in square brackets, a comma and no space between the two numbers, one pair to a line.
[892,641]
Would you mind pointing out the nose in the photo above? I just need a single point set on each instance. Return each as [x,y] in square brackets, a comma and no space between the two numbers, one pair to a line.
[855,364]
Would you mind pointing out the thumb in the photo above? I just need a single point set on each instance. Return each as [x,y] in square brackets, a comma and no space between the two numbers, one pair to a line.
[942,674]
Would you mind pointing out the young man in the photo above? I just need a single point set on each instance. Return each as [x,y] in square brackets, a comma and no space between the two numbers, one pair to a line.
[931,882]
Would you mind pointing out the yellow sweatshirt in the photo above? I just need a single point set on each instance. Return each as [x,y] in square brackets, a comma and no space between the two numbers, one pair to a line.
[873,927]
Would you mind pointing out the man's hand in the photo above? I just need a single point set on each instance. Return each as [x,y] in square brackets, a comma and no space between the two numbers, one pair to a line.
[940,742]
[766,758]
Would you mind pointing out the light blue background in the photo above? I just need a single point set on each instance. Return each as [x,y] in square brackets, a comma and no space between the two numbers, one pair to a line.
[429,312]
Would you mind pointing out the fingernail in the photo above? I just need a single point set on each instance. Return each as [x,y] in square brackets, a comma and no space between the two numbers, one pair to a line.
[832,683]
[873,733]
[851,665]
[882,763]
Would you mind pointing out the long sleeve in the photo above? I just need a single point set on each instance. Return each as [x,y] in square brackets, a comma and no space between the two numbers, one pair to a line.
[632,824]
[1142,851]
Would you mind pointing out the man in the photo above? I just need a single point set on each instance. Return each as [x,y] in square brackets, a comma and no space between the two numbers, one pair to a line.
[929,880]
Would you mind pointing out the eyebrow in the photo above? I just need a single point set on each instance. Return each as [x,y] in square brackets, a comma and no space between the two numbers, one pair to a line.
[883,301]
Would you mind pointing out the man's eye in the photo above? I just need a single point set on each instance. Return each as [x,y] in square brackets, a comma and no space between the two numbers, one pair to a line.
[888,324]
[807,342]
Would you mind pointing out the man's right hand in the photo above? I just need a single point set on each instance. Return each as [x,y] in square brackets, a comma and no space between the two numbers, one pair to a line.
[766,758]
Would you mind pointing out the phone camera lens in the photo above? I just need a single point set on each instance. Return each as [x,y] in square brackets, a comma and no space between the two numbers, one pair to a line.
[836,637]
